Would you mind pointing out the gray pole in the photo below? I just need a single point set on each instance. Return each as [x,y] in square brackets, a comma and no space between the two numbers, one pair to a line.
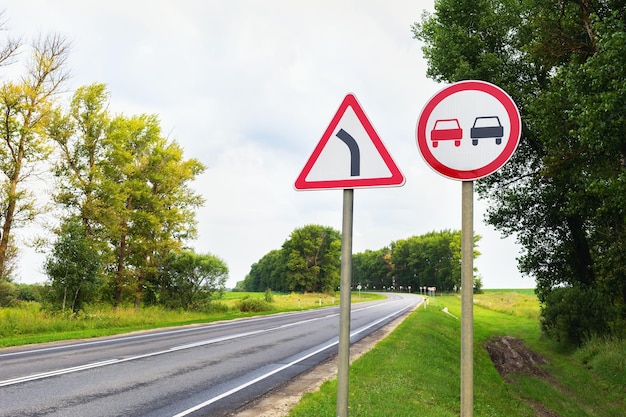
[344,305]
[467,299]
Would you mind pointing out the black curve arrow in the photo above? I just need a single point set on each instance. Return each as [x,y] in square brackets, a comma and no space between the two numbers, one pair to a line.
[355,153]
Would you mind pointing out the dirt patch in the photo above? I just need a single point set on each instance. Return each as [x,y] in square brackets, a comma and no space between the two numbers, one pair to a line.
[511,356]
[278,402]
[543,411]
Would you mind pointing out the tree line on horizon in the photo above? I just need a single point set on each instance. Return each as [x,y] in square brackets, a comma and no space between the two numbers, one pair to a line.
[310,258]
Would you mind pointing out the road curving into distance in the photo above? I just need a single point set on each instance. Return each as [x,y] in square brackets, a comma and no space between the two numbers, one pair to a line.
[205,370]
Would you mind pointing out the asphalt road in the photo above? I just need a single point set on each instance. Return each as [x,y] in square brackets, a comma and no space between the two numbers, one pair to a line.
[208,370]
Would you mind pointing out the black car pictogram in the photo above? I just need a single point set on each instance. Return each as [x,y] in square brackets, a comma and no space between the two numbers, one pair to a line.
[487,127]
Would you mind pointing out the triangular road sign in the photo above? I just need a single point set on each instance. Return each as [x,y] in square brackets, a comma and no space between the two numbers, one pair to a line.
[349,155]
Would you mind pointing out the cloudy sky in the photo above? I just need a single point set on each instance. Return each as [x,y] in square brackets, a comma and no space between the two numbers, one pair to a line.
[248,87]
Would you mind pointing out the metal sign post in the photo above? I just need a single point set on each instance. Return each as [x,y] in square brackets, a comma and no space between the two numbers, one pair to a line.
[344,304]
[467,131]
[369,165]
[467,298]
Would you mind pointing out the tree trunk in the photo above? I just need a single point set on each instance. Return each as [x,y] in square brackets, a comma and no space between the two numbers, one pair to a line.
[9,214]
[139,291]
[119,274]
[581,256]
[75,298]
[6,233]
[64,297]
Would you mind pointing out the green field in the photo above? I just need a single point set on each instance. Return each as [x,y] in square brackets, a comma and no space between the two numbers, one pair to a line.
[525,291]
[416,370]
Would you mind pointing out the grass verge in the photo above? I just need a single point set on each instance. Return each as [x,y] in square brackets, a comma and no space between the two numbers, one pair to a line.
[416,370]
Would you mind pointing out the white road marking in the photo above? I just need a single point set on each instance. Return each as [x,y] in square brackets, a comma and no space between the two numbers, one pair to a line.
[93,365]
[63,371]
[281,368]
[57,372]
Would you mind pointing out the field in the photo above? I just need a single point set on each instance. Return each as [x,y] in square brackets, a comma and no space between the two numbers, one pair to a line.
[416,370]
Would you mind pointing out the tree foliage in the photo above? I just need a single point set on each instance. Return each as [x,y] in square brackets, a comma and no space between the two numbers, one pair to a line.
[308,261]
[268,273]
[373,268]
[129,186]
[74,267]
[189,280]
[429,260]
[563,194]
[313,259]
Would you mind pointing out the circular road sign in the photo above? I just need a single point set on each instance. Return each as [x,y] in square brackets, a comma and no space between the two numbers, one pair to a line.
[468,130]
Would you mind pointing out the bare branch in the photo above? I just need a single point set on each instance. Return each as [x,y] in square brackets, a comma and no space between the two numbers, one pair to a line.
[8,50]
[47,71]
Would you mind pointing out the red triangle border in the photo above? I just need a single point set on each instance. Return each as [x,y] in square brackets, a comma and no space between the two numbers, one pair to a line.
[396,179]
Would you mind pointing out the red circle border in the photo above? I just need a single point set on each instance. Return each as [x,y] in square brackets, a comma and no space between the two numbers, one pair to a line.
[511,144]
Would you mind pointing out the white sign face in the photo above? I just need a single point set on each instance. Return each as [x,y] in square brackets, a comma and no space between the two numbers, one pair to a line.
[333,161]
[349,155]
[468,130]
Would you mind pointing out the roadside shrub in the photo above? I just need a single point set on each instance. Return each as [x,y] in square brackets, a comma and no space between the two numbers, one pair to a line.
[269,296]
[254,305]
[7,294]
[570,315]
[213,307]
[29,292]
[478,285]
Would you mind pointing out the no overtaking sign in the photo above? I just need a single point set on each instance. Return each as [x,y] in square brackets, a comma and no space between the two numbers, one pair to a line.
[468,130]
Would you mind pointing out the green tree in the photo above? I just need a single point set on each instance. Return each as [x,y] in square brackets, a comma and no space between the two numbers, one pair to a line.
[29,292]
[562,193]
[240,286]
[73,267]
[129,186]
[372,268]
[313,259]
[432,259]
[25,109]
[79,135]
[268,273]
[191,279]
[8,295]
[147,204]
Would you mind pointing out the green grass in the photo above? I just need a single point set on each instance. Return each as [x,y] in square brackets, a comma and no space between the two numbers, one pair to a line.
[28,323]
[416,370]
[607,357]
[525,291]
[515,303]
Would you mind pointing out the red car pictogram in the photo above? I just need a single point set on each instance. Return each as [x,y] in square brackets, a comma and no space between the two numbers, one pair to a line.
[446,129]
